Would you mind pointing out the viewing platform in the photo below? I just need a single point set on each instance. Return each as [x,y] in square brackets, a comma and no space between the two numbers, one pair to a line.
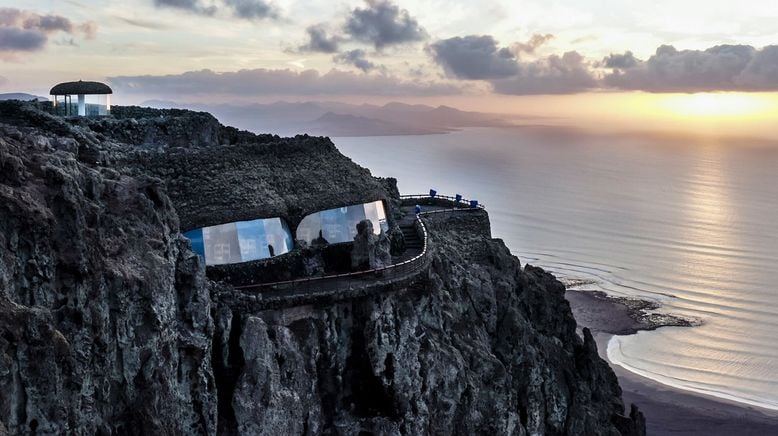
[407,270]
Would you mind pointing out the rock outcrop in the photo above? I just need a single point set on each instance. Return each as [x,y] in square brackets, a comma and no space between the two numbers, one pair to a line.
[109,325]
[370,251]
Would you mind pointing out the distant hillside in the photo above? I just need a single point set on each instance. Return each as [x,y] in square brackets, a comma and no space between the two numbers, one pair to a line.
[343,119]
[332,124]
[22,96]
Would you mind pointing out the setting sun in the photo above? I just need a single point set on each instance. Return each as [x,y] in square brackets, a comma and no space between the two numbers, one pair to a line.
[718,105]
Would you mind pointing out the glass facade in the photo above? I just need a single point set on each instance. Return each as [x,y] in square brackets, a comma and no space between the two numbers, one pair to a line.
[96,105]
[339,225]
[241,241]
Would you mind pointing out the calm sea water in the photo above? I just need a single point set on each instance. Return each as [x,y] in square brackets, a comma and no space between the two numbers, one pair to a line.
[691,224]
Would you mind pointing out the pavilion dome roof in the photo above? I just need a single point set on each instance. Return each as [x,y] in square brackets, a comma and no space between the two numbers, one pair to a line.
[80,87]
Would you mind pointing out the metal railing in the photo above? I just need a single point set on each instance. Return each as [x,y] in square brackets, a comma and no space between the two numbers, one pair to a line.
[362,279]
[460,203]
[397,269]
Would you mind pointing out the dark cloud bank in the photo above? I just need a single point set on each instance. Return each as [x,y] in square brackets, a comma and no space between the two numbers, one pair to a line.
[25,31]
[720,68]
[259,82]
[480,58]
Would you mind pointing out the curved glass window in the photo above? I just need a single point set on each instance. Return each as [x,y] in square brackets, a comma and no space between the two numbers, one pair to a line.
[84,105]
[241,241]
[338,225]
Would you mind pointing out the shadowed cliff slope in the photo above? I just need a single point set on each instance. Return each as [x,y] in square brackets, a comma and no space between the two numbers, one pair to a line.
[108,324]
[105,323]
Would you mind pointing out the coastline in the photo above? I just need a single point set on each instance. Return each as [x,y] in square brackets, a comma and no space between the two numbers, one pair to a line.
[668,410]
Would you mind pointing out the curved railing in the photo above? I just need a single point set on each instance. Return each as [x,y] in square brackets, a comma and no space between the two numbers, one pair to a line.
[335,282]
[398,268]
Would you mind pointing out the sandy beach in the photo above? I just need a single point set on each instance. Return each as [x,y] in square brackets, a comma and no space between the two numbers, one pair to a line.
[668,411]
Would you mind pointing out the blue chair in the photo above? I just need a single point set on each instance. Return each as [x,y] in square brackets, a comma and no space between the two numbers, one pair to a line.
[473,204]
[458,198]
[433,193]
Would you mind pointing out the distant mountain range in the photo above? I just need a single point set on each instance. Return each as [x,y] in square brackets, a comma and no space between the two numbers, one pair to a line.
[22,96]
[343,119]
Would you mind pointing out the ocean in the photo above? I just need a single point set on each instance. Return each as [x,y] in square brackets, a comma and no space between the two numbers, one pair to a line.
[690,223]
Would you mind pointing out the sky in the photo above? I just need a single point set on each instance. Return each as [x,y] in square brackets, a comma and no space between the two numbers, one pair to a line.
[711,64]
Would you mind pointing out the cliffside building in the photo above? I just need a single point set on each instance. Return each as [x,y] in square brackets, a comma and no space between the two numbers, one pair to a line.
[93,99]
[246,241]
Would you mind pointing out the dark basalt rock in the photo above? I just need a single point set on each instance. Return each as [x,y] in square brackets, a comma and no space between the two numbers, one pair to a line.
[105,323]
[370,251]
[108,324]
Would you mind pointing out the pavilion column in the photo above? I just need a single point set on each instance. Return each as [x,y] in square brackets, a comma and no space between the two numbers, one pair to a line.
[81,105]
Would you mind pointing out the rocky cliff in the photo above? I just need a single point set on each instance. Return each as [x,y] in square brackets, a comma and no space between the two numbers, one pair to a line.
[109,325]
[105,324]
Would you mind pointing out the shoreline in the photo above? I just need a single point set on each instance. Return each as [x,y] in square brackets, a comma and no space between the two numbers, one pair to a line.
[669,410]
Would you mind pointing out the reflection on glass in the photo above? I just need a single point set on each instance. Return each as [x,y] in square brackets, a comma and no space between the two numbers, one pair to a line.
[338,225]
[242,241]
[94,105]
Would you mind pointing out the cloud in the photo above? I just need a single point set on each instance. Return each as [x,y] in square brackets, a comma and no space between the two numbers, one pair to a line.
[25,31]
[480,58]
[761,74]
[620,61]
[356,58]
[194,6]
[383,24]
[474,58]
[252,9]
[719,68]
[89,29]
[244,9]
[534,43]
[566,74]
[144,24]
[261,82]
[14,39]
[320,41]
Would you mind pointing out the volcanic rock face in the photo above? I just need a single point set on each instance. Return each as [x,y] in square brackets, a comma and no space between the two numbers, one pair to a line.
[481,348]
[105,323]
[108,324]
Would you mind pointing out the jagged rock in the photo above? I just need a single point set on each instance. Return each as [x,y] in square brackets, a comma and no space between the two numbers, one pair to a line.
[105,323]
[370,251]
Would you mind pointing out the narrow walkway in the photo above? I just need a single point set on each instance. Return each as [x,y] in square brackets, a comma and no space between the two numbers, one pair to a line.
[405,270]
[414,245]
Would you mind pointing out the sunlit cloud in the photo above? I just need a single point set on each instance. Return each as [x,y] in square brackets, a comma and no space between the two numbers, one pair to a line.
[719,68]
